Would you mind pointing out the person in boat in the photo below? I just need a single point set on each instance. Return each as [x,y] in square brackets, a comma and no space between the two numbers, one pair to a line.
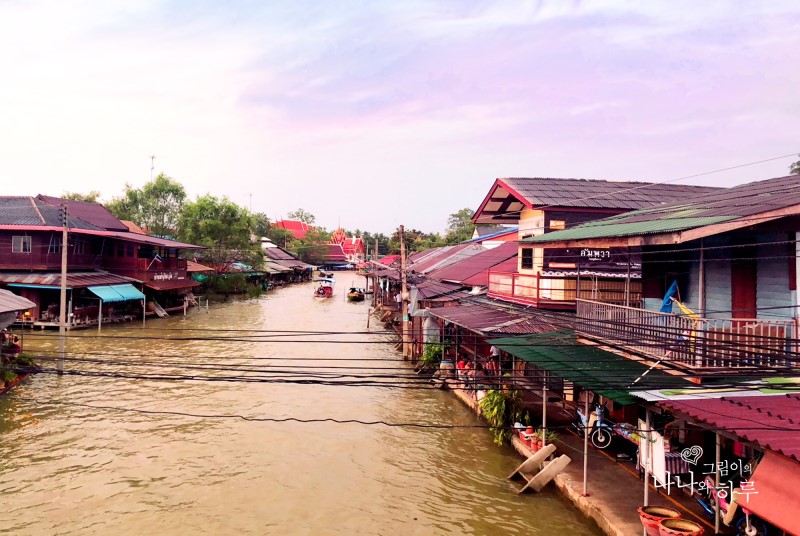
[10,343]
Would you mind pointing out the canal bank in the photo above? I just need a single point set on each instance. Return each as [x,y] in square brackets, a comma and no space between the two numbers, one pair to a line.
[612,500]
[145,453]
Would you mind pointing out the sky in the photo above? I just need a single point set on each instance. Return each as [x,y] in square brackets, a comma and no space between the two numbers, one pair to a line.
[374,114]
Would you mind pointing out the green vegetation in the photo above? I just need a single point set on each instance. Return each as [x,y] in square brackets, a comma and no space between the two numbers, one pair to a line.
[501,410]
[432,355]
[155,207]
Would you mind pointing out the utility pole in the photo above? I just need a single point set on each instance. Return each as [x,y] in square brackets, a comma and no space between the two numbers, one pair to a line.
[404,296]
[152,165]
[62,309]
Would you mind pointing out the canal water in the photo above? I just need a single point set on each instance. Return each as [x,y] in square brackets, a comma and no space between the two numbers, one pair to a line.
[141,441]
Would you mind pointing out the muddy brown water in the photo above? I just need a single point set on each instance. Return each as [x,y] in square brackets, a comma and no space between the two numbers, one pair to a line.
[75,460]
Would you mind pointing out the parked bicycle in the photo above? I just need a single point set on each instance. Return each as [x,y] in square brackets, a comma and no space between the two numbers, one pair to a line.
[602,431]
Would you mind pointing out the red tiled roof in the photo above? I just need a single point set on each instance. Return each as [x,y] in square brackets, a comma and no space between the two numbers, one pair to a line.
[334,253]
[771,422]
[471,266]
[132,227]
[298,228]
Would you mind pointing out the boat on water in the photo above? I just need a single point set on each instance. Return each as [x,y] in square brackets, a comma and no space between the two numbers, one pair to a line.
[324,287]
[355,294]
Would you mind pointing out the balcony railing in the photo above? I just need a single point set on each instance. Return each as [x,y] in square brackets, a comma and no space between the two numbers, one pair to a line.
[47,261]
[696,344]
[560,292]
[143,265]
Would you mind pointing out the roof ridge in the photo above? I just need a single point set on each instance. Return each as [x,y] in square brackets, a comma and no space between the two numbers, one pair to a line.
[38,212]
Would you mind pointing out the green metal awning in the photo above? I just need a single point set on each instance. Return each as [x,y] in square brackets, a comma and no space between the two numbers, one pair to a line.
[115,293]
[607,374]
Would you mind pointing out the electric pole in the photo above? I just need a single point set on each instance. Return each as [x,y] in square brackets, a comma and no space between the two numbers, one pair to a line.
[152,165]
[62,309]
[404,295]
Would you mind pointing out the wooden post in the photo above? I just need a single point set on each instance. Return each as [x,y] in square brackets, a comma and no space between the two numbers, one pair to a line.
[100,316]
[62,309]
[586,446]
[701,284]
[716,483]
[404,292]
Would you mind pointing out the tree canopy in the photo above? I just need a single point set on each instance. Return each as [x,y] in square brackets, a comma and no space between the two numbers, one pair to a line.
[460,226]
[302,215]
[91,197]
[794,169]
[223,227]
[156,207]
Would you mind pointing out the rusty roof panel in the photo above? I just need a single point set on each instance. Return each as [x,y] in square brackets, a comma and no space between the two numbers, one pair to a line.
[465,268]
[771,422]
[53,279]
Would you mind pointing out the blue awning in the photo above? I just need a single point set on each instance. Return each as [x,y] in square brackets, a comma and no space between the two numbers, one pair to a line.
[25,285]
[115,293]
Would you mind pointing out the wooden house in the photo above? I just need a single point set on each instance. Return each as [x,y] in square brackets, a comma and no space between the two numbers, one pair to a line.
[550,279]
[102,254]
[729,257]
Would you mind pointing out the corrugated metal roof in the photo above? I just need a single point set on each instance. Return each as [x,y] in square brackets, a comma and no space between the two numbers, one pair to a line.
[10,302]
[606,228]
[589,367]
[93,213]
[53,279]
[737,203]
[482,278]
[470,266]
[771,422]
[446,256]
[485,319]
[557,192]
[428,290]
[35,213]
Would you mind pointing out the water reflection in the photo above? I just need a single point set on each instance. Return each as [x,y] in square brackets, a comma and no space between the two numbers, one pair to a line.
[72,469]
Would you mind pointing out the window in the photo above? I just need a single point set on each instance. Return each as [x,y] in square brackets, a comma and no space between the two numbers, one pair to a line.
[55,244]
[527,258]
[20,244]
[79,247]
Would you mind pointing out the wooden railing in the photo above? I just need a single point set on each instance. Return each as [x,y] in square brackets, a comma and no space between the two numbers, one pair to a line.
[560,291]
[47,261]
[143,265]
[711,344]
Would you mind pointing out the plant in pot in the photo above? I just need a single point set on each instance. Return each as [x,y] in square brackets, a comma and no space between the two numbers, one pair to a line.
[501,411]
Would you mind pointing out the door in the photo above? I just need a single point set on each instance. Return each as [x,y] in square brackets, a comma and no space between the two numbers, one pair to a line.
[743,286]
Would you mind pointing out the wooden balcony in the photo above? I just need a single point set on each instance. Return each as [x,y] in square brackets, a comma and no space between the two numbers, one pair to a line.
[559,292]
[47,261]
[147,269]
[698,345]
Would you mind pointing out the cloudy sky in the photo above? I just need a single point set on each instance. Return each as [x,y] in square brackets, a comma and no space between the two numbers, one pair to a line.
[378,113]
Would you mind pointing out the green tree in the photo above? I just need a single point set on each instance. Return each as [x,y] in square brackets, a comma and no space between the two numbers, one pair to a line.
[794,169]
[261,224]
[302,215]
[156,207]
[225,229]
[312,248]
[91,197]
[460,226]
